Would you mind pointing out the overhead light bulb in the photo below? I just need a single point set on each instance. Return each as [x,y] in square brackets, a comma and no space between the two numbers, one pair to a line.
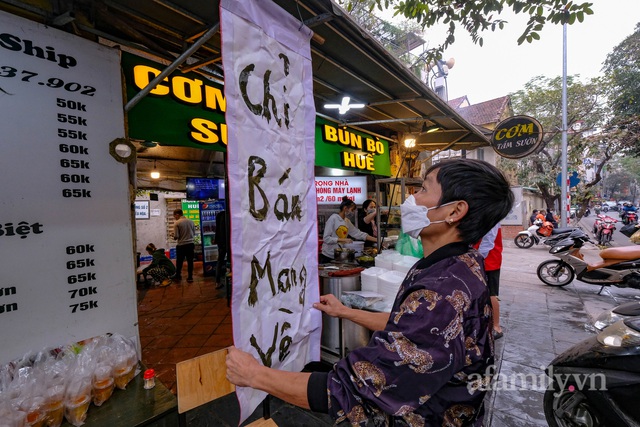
[154,173]
[410,142]
[344,106]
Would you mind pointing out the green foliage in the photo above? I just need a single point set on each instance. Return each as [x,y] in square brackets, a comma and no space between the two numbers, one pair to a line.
[541,98]
[623,68]
[475,17]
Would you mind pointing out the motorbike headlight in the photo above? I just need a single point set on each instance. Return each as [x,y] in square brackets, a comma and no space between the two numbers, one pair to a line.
[619,335]
[556,249]
[606,318]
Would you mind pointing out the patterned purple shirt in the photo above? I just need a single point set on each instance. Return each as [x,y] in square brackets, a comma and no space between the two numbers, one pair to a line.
[431,363]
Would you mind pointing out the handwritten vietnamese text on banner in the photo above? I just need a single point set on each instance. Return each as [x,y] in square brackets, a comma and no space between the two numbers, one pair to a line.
[270,121]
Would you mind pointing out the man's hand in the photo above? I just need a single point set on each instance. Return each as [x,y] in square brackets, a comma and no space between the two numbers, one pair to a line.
[331,305]
[241,367]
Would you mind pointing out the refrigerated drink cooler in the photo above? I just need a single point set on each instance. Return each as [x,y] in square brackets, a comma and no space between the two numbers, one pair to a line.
[208,212]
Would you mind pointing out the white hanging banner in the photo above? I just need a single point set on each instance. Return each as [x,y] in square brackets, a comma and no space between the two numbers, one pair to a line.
[67,264]
[274,240]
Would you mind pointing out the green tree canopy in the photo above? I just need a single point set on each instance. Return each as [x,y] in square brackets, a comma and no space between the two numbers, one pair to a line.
[541,98]
[475,17]
[623,67]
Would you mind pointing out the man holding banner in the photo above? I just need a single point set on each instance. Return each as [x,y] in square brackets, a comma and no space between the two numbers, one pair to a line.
[270,116]
[430,360]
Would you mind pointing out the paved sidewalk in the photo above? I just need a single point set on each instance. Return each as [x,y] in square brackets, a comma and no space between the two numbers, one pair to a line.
[540,322]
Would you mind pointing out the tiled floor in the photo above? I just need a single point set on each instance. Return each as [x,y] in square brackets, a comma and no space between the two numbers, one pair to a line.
[181,321]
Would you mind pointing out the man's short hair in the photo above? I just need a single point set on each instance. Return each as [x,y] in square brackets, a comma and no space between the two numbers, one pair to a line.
[482,186]
[178,212]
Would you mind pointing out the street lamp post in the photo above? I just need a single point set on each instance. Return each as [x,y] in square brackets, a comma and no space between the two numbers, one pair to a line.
[564,180]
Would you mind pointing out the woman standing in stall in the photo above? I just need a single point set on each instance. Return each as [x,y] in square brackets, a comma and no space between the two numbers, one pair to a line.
[367,221]
[338,228]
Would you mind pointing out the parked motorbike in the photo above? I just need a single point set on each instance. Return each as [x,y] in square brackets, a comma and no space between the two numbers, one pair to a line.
[587,212]
[621,312]
[541,232]
[603,229]
[620,266]
[629,217]
[597,381]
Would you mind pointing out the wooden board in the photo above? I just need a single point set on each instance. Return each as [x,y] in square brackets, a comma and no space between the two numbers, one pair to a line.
[263,423]
[201,380]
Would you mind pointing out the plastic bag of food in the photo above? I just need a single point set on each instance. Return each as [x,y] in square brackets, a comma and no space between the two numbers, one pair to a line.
[10,416]
[34,407]
[54,405]
[126,360]
[103,384]
[77,397]
[26,392]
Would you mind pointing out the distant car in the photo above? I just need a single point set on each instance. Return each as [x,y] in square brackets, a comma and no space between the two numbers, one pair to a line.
[573,210]
[611,205]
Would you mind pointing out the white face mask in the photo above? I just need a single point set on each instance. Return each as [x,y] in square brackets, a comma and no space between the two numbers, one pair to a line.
[414,217]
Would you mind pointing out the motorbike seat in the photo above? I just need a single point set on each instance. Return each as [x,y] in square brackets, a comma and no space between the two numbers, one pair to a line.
[616,255]
[562,230]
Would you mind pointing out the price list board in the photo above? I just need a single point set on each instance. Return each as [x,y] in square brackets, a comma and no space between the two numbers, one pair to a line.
[66,264]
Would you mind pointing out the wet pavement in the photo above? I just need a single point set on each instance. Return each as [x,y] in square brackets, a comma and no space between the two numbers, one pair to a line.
[539,322]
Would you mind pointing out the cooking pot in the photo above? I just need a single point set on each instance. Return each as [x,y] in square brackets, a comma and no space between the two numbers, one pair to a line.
[342,254]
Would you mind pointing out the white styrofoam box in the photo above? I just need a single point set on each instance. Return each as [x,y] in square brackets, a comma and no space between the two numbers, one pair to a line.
[386,252]
[389,282]
[383,262]
[402,266]
[392,276]
[410,259]
[405,263]
[369,278]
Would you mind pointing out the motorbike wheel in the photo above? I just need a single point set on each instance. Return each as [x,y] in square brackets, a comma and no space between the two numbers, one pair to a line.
[605,239]
[523,241]
[580,414]
[555,273]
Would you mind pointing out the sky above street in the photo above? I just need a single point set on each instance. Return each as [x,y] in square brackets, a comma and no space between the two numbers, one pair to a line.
[501,66]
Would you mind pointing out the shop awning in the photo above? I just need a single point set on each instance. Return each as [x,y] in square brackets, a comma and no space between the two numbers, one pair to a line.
[347,61]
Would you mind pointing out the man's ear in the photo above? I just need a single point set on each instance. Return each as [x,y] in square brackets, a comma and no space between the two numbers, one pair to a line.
[459,210]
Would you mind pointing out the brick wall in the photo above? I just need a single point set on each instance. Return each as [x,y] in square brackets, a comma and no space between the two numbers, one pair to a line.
[511,231]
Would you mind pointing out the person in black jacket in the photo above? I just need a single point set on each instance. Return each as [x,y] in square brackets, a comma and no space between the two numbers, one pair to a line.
[534,214]
[222,240]
[161,267]
[551,218]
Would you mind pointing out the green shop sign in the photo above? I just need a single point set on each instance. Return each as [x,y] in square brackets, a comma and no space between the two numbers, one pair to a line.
[345,148]
[187,110]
